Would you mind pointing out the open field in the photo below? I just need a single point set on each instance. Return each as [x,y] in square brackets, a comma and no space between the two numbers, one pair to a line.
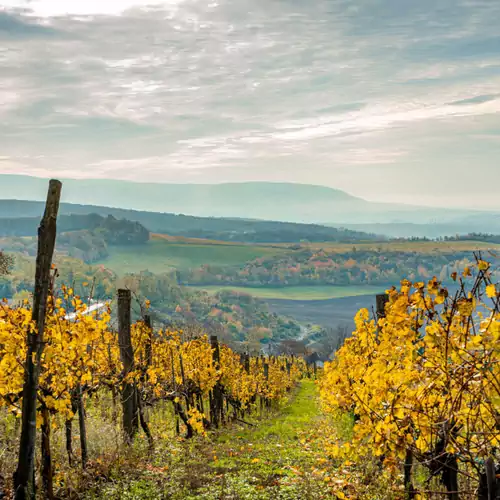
[408,246]
[182,240]
[161,255]
[328,312]
[389,246]
[302,293]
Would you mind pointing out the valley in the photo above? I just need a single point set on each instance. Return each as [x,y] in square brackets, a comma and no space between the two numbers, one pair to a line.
[255,283]
[249,250]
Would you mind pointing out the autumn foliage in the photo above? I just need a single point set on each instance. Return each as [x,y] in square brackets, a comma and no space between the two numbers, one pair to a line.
[81,360]
[423,385]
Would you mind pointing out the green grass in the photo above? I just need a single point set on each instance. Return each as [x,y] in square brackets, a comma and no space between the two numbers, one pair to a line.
[299,292]
[160,256]
[163,253]
[278,458]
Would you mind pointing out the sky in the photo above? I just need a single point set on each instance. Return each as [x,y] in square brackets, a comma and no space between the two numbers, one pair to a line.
[390,100]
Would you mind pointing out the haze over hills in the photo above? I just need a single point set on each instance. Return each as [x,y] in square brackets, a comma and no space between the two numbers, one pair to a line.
[257,200]
[21,218]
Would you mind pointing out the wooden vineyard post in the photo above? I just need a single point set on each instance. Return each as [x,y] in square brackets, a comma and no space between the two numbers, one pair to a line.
[247,370]
[381,301]
[47,469]
[83,425]
[24,484]
[266,376]
[149,342]
[187,396]
[149,362]
[129,396]
[289,374]
[408,465]
[174,386]
[449,475]
[216,406]
[491,479]
[69,430]
[184,384]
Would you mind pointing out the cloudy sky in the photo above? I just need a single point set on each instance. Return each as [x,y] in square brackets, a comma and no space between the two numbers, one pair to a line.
[391,100]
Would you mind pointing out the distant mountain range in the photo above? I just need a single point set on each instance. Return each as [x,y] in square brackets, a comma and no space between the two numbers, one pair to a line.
[260,200]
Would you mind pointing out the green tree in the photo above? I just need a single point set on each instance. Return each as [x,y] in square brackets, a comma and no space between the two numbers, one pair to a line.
[6,263]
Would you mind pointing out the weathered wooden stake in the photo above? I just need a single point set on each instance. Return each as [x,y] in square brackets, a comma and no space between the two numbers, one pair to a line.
[149,362]
[409,491]
[449,476]
[24,484]
[381,301]
[174,385]
[266,376]
[144,424]
[68,426]
[184,385]
[69,431]
[217,406]
[129,396]
[149,342]
[491,479]
[83,425]
[47,469]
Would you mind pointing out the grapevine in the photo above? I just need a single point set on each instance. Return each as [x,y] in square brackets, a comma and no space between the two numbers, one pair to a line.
[423,383]
[81,360]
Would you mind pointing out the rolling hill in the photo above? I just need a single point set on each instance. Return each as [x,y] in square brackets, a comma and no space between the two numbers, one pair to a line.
[252,200]
[22,218]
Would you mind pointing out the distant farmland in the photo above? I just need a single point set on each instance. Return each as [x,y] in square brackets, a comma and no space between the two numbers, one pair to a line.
[297,293]
[162,254]
[328,313]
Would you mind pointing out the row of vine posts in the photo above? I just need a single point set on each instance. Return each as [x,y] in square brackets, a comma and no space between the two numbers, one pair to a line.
[24,477]
[132,399]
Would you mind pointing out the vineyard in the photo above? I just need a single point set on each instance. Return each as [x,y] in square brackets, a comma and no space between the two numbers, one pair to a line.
[423,386]
[409,407]
[207,384]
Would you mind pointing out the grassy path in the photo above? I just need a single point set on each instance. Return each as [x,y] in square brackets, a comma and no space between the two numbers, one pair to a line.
[277,459]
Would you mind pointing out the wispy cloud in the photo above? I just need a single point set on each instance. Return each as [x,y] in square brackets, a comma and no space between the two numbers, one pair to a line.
[331,92]
[57,8]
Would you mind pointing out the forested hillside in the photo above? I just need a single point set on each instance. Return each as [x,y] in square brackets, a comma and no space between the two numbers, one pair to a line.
[326,267]
[225,229]
[235,317]
[86,237]
[114,231]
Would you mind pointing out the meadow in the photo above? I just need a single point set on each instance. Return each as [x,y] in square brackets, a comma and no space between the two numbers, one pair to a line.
[302,293]
[163,254]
